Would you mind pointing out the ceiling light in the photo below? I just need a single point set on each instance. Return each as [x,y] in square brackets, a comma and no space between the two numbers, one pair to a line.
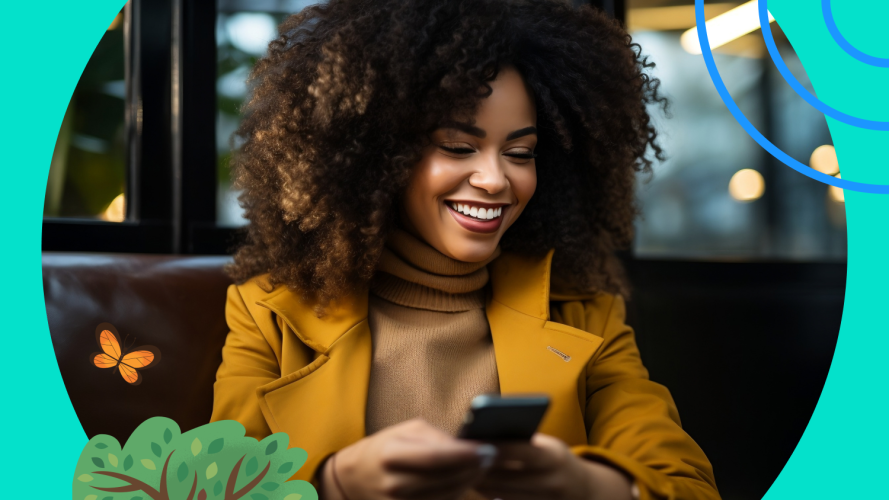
[724,28]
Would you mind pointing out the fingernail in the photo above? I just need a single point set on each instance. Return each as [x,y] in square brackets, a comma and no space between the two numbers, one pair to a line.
[487,453]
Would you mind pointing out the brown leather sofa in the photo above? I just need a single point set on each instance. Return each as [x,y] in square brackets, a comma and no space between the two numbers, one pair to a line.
[176,303]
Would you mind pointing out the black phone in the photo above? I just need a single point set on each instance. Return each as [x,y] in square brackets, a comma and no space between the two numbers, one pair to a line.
[493,417]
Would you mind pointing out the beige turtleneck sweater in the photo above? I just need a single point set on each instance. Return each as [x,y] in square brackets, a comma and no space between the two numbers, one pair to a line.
[432,347]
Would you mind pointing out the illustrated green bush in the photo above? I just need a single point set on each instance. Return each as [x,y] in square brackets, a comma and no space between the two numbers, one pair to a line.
[216,461]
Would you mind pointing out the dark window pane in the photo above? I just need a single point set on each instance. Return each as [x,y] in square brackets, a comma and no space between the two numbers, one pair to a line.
[87,176]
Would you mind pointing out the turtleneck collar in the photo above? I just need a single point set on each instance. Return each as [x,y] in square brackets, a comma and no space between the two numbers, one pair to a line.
[414,274]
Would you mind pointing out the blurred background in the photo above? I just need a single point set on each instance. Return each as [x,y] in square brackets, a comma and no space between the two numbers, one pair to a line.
[738,263]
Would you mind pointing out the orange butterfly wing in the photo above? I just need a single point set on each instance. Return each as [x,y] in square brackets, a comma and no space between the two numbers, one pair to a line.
[130,374]
[141,358]
[103,361]
[109,342]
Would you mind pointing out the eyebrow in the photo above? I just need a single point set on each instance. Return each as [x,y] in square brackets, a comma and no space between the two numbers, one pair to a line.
[473,130]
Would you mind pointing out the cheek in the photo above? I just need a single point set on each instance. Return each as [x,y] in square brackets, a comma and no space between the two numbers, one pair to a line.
[431,180]
[524,183]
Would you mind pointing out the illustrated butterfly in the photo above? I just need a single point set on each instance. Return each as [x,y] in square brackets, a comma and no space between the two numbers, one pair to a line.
[113,356]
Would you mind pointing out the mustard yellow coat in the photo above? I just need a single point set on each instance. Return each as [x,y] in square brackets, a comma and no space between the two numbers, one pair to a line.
[286,370]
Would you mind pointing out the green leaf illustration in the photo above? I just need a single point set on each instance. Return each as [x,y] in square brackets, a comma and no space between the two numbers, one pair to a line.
[216,446]
[101,446]
[182,472]
[212,469]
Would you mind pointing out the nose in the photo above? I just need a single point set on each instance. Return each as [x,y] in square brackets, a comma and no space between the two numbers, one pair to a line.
[489,175]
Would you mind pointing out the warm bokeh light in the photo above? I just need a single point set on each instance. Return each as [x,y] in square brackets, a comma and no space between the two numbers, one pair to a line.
[836,194]
[746,185]
[724,28]
[116,22]
[674,17]
[116,211]
[824,160]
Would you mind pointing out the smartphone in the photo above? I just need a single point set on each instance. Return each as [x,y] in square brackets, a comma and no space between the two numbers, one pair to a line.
[493,417]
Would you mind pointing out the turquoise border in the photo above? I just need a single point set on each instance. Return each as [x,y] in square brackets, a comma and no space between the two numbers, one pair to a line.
[46,46]
[841,453]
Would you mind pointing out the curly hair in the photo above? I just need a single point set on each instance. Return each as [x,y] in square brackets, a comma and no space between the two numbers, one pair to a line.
[341,108]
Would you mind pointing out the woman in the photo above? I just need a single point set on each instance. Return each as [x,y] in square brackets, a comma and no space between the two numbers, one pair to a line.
[435,191]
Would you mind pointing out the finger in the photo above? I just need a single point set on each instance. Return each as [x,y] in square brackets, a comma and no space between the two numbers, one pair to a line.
[542,453]
[417,429]
[443,485]
[520,486]
[418,456]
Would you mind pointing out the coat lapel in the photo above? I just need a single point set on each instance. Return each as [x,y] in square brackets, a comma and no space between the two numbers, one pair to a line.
[322,405]
[535,354]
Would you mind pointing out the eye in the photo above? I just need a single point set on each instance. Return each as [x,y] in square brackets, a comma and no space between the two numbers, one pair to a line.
[525,154]
[457,149]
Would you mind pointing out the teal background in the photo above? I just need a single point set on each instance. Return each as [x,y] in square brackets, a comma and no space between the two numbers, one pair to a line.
[842,453]
[46,49]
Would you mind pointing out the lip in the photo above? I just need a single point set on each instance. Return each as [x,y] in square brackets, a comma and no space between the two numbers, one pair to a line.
[473,224]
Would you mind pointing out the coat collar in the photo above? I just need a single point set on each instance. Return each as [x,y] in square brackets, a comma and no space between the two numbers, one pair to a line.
[533,355]
[519,282]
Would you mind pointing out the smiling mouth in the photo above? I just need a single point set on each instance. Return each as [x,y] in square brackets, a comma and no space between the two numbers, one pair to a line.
[476,212]
[483,218]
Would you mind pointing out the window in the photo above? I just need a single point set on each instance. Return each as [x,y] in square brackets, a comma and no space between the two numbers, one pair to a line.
[719,194]
[87,176]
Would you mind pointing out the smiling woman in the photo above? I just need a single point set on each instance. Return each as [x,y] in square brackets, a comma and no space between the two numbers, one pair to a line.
[434,200]
[473,181]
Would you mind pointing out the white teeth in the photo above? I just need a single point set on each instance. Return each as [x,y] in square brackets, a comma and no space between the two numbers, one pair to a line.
[478,213]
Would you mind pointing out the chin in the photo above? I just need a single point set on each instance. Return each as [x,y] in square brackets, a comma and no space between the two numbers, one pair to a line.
[471,251]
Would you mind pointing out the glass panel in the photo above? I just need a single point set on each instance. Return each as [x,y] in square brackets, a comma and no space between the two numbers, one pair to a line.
[719,194]
[243,31]
[87,176]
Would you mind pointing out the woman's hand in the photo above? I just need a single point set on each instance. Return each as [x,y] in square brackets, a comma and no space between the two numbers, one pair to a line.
[411,460]
[545,469]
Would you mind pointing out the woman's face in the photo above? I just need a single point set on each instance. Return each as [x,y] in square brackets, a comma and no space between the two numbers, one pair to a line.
[473,182]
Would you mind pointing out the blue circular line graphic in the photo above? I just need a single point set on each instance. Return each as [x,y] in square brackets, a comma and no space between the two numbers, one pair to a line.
[753,132]
[798,87]
[844,44]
